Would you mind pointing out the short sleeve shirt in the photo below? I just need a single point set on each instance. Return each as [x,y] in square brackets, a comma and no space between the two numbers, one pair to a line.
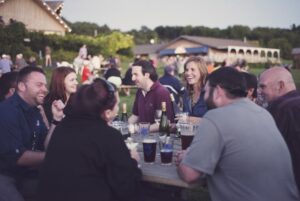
[243,154]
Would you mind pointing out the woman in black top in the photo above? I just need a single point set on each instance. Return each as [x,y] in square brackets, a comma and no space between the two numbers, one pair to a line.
[86,158]
[63,84]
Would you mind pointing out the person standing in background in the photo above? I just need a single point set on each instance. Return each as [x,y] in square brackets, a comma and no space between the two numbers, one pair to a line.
[48,59]
[83,52]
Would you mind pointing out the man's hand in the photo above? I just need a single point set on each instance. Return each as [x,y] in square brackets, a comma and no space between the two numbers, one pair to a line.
[179,156]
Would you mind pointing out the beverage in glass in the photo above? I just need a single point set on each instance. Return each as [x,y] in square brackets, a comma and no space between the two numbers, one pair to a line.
[149,149]
[187,134]
[166,149]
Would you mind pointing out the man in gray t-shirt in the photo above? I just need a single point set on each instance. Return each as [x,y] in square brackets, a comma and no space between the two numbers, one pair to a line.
[238,147]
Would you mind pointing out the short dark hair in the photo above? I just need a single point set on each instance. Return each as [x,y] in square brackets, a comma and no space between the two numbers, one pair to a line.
[231,80]
[251,82]
[23,74]
[7,81]
[147,67]
[93,99]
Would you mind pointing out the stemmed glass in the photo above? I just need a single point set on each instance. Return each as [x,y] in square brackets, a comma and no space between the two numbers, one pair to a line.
[157,116]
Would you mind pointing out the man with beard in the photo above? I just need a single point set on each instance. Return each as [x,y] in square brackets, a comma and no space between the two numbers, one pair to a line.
[278,89]
[238,147]
[23,135]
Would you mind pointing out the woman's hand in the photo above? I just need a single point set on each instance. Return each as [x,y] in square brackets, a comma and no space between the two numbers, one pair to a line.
[57,110]
[135,155]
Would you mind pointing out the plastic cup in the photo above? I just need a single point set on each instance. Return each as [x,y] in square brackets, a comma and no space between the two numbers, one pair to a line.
[166,150]
[144,128]
[149,149]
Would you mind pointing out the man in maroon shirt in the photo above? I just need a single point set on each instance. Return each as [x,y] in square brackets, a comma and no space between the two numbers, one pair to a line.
[278,88]
[149,96]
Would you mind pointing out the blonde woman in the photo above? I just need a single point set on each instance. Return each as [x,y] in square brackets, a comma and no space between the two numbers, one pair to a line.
[195,73]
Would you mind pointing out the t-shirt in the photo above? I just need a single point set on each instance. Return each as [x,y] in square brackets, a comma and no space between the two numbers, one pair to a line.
[243,154]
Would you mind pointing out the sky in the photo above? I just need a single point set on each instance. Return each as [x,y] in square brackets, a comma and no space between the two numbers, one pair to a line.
[132,14]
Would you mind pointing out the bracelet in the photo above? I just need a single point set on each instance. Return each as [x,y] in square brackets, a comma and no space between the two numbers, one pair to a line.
[54,122]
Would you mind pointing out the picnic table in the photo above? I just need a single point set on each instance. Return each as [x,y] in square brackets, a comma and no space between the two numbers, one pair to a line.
[161,174]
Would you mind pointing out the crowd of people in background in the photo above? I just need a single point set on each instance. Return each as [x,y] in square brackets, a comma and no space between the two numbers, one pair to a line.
[248,127]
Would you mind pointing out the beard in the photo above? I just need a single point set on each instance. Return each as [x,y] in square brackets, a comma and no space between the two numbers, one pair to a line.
[209,100]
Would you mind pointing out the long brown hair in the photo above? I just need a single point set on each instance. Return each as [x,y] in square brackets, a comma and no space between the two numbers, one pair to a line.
[57,88]
[201,65]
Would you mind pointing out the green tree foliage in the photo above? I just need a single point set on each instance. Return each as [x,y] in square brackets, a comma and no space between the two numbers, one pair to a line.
[115,42]
[111,42]
[282,44]
[12,38]
[89,29]
[284,39]
[144,35]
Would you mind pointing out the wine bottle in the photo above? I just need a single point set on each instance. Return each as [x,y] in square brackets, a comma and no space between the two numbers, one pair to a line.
[164,122]
[124,116]
[175,107]
[124,120]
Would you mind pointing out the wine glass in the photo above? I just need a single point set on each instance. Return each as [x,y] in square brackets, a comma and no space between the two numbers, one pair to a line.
[157,116]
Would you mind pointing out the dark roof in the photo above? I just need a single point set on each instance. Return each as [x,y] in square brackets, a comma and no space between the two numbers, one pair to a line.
[147,49]
[54,5]
[296,51]
[192,50]
[217,43]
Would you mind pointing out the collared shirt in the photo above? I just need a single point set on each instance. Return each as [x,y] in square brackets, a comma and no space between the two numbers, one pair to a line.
[145,105]
[22,128]
[197,110]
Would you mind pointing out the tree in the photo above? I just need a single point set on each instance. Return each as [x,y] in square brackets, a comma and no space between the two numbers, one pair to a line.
[86,28]
[283,44]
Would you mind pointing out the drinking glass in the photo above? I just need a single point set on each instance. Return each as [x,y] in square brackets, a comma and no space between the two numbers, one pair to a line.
[144,128]
[149,149]
[166,150]
[187,134]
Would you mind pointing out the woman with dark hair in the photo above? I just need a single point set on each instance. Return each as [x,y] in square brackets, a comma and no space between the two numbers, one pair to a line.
[195,73]
[8,84]
[251,82]
[86,158]
[63,85]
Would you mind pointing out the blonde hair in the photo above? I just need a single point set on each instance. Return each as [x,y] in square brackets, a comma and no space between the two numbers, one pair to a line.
[201,65]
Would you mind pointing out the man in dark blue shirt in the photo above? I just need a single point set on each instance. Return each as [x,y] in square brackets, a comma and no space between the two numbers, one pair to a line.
[169,81]
[23,135]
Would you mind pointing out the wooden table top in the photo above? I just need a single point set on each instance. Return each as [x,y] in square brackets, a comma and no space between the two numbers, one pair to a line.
[162,174]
